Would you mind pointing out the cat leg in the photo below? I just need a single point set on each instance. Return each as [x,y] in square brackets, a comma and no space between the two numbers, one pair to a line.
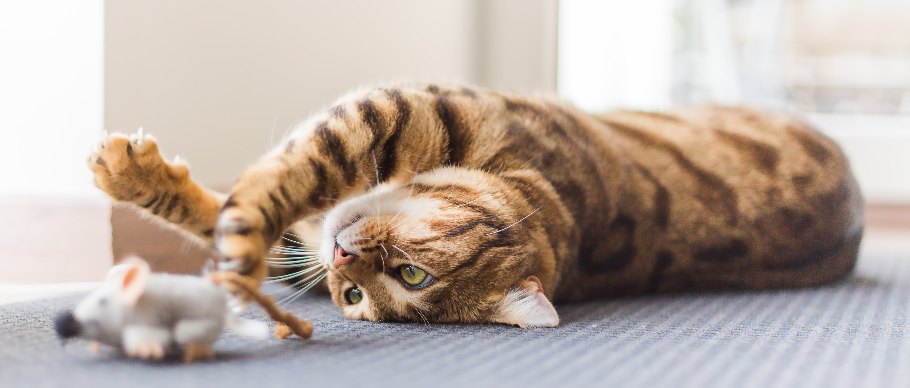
[380,136]
[132,170]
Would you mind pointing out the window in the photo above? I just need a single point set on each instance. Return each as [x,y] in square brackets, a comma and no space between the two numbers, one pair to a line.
[843,64]
[56,224]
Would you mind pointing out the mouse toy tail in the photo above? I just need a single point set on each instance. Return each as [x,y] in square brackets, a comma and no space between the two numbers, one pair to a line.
[287,322]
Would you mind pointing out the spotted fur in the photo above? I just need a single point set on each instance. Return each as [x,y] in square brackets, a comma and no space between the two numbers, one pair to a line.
[511,202]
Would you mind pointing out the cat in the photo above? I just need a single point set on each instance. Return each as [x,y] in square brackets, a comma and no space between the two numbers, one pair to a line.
[458,204]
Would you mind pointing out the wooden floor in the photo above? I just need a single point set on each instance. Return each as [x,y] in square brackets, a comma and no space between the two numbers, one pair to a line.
[887,229]
[888,216]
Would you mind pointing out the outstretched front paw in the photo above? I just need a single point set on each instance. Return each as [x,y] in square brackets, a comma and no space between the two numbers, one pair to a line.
[130,168]
[240,238]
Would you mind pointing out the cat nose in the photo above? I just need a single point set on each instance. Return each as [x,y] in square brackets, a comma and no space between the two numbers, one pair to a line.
[342,257]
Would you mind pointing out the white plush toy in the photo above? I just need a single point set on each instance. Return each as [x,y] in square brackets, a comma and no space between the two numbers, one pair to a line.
[147,315]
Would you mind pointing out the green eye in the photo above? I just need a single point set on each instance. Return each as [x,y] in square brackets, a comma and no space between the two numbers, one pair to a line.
[353,295]
[414,277]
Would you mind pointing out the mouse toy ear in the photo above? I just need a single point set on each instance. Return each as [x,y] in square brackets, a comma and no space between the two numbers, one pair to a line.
[116,272]
[526,306]
[131,280]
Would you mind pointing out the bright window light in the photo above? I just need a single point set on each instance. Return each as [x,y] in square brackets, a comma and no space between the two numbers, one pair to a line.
[615,53]
[51,74]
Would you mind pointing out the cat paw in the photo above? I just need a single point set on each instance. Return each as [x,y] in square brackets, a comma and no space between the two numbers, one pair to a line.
[130,168]
[241,241]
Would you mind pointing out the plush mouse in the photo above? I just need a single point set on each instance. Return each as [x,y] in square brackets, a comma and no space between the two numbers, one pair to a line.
[146,315]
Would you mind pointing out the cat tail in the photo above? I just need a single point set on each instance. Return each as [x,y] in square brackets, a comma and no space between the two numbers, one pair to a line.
[247,327]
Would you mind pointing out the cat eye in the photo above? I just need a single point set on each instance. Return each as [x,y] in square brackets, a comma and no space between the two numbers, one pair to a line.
[353,295]
[414,277]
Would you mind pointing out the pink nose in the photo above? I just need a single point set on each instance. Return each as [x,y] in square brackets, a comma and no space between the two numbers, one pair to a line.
[342,257]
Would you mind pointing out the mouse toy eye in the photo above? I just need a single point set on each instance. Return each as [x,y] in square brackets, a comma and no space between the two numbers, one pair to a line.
[414,277]
[353,295]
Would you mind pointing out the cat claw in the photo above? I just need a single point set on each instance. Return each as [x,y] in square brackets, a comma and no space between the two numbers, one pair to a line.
[138,138]
[228,265]
[104,136]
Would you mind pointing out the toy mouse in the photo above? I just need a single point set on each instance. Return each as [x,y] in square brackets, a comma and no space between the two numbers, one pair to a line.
[147,315]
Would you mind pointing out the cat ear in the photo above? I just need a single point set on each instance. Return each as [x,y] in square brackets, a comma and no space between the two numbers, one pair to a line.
[526,306]
[131,278]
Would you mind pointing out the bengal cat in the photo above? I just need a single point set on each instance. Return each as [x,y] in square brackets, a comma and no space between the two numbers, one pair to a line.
[454,204]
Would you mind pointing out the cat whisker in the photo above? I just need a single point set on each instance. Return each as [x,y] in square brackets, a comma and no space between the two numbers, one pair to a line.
[297,247]
[300,240]
[404,233]
[425,320]
[281,278]
[517,222]
[296,251]
[294,257]
[292,265]
[383,258]
[393,227]
[294,247]
[288,261]
[313,280]
[304,280]
[410,194]
[299,261]
[469,202]
[411,259]
[293,241]
[291,257]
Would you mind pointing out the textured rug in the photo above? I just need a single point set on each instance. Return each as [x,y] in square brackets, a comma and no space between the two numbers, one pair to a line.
[848,334]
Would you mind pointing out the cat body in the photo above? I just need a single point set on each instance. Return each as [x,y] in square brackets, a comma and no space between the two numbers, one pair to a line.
[453,204]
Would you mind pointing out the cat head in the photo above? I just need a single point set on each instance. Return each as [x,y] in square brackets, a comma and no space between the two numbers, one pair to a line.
[433,251]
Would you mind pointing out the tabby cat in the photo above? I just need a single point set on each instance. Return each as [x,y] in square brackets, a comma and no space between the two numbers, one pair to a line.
[454,204]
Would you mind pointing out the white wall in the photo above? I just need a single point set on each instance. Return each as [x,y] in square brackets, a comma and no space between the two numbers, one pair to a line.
[219,82]
[56,225]
[517,45]
[50,94]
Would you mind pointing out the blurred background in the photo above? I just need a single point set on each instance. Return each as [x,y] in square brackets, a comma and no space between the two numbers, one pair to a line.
[219,82]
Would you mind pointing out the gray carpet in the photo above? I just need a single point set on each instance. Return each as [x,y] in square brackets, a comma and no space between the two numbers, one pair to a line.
[849,334]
